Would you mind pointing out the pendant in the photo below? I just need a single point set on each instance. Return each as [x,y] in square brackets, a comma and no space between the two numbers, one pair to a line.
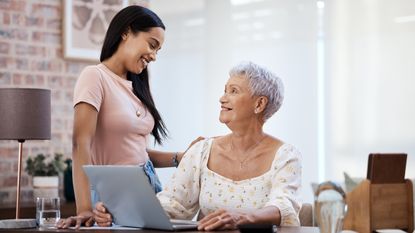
[138,113]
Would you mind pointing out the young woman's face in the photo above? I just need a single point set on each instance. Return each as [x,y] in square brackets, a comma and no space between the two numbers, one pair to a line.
[139,49]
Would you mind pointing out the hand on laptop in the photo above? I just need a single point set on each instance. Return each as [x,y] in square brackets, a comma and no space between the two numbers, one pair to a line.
[85,218]
[222,220]
[102,217]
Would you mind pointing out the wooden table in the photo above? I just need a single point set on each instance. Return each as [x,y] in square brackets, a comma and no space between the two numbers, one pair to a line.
[280,230]
[28,210]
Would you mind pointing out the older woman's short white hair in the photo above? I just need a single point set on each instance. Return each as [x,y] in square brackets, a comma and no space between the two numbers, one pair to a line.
[262,83]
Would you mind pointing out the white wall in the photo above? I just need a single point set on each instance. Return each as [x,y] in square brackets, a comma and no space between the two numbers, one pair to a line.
[348,69]
[205,40]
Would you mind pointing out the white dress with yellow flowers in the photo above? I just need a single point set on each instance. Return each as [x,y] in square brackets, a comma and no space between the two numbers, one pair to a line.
[194,186]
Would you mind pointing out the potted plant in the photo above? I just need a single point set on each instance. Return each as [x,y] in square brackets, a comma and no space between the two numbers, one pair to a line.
[45,172]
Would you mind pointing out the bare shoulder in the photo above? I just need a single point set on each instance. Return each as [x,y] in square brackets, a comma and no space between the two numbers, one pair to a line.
[273,143]
[220,142]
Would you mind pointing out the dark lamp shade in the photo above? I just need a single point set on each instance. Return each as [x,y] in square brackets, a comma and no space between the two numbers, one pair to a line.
[25,114]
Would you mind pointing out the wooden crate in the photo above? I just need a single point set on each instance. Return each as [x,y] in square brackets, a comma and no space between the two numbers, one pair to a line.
[380,206]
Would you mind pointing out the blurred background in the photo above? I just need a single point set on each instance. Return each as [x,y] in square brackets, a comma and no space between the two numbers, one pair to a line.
[347,65]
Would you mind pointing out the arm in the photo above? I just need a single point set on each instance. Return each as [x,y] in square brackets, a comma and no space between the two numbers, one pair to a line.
[180,197]
[85,120]
[227,220]
[165,159]
[286,184]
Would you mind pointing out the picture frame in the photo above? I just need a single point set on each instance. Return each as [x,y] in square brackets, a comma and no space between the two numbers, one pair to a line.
[85,25]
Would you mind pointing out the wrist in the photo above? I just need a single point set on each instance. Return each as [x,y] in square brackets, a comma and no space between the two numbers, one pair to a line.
[175,160]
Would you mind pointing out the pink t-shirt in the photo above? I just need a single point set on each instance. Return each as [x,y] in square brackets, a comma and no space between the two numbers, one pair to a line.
[121,134]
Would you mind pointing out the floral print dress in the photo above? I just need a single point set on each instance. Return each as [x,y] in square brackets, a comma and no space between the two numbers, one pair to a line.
[195,187]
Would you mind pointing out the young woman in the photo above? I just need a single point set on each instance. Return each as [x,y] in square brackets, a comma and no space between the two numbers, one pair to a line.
[114,109]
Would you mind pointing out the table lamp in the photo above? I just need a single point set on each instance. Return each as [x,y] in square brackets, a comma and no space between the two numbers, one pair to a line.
[24,115]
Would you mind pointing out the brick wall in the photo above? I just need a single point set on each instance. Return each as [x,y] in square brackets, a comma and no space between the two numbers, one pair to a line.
[31,55]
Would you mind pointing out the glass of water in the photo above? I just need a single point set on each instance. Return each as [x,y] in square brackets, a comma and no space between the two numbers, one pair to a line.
[47,211]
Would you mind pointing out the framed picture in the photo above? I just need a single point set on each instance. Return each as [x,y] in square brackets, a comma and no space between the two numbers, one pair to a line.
[85,24]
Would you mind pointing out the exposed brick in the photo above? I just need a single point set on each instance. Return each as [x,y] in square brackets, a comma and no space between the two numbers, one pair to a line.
[4,47]
[12,5]
[3,62]
[5,79]
[55,82]
[40,80]
[17,79]
[18,19]
[47,37]
[6,18]
[11,152]
[29,79]
[74,67]
[56,95]
[15,34]
[59,52]
[47,11]
[5,166]
[54,24]
[31,55]
[22,49]
[46,65]
[4,196]
[70,82]
[22,63]
[68,96]
[5,34]
[9,181]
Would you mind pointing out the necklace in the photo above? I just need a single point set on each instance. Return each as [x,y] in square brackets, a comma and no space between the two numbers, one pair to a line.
[111,73]
[250,148]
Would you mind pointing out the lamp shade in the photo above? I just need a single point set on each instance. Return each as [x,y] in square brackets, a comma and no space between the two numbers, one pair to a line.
[25,114]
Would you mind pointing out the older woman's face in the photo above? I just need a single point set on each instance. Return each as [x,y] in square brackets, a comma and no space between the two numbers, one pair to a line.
[237,103]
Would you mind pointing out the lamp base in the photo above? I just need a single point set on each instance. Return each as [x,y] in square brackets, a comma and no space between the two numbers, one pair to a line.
[17,223]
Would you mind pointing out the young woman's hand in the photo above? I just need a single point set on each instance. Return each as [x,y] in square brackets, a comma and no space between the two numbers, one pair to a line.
[85,218]
[102,217]
[180,155]
[223,220]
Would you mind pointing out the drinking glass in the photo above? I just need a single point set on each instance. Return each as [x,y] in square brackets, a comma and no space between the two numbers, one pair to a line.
[47,211]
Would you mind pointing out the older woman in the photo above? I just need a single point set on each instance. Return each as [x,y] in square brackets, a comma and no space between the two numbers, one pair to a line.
[246,176]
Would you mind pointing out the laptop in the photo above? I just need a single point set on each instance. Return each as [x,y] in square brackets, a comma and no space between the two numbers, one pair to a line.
[128,196]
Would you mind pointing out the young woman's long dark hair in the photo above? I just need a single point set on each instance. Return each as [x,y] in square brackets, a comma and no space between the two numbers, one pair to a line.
[137,19]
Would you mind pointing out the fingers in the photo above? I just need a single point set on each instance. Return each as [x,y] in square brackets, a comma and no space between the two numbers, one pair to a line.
[78,222]
[101,207]
[211,216]
[89,222]
[64,223]
[218,220]
[102,217]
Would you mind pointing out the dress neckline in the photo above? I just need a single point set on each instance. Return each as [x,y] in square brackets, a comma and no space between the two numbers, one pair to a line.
[227,179]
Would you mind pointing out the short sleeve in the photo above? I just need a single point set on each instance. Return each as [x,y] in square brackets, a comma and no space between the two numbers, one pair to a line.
[89,88]
[286,183]
[180,197]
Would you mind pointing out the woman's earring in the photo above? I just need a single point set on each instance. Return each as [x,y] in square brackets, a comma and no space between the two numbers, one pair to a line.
[256,111]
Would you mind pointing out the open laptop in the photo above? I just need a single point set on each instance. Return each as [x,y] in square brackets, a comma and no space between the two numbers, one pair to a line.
[128,196]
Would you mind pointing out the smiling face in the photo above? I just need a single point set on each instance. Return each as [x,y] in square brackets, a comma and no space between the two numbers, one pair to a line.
[139,49]
[237,103]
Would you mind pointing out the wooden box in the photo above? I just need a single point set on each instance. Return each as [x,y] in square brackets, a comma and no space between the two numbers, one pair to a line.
[380,206]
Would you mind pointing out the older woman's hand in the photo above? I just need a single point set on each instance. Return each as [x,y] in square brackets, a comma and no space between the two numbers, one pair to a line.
[102,217]
[85,218]
[223,220]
